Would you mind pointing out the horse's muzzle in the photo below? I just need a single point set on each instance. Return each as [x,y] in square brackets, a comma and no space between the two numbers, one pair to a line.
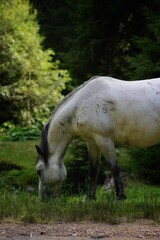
[49,191]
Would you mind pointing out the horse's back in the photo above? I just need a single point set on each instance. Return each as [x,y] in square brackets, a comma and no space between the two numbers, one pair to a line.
[127,111]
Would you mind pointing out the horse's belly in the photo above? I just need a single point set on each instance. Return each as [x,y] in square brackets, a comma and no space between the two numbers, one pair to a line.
[138,135]
[137,123]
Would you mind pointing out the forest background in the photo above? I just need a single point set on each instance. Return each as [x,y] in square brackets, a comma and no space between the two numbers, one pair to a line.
[47,48]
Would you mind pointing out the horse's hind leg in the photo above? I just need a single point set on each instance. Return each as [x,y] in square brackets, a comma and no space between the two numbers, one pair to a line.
[107,148]
[94,158]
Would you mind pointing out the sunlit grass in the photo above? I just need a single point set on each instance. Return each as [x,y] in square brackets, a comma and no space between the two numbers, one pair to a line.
[19,153]
[17,163]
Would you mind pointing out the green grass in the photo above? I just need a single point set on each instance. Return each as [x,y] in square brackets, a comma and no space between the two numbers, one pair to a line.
[17,163]
[143,201]
[19,153]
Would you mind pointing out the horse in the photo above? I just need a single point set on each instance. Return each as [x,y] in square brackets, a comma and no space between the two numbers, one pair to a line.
[104,112]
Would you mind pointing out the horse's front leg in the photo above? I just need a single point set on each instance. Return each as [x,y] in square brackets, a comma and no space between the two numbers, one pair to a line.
[94,158]
[107,148]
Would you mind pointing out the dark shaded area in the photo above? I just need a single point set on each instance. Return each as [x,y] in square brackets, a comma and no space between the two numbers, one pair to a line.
[93,37]
[6,166]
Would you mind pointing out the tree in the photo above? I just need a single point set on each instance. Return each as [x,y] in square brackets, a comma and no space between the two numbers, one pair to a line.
[144,62]
[91,37]
[30,81]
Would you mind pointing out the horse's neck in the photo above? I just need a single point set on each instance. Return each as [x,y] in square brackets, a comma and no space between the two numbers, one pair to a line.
[59,135]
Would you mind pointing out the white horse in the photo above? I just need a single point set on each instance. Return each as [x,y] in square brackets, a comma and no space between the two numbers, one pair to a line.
[104,112]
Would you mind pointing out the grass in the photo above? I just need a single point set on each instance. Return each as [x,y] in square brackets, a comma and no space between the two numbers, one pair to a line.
[22,206]
[17,161]
[20,153]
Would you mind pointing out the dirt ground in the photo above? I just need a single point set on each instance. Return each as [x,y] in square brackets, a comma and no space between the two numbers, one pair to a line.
[80,231]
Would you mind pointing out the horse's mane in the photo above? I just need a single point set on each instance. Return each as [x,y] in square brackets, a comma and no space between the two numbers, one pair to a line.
[44,133]
[44,142]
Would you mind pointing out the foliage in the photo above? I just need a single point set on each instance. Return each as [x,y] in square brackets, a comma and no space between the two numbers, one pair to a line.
[12,132]
[76,161]
[146,164]
[145,62]
[30,81]
[92,37]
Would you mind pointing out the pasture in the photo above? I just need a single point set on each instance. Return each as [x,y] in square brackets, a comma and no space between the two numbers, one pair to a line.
[19,203]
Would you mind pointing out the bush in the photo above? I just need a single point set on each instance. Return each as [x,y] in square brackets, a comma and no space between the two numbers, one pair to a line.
[31,78]
[12,132]
[146,163]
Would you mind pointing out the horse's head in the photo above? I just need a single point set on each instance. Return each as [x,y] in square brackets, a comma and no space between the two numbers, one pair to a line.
[51,174]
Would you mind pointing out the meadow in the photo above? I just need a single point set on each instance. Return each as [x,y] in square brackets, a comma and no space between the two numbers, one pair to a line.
[19,203]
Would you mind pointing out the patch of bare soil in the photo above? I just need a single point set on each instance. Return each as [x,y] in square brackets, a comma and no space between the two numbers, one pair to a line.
[80,231]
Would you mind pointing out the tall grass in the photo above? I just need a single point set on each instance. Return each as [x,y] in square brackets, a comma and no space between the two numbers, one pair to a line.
[143,202]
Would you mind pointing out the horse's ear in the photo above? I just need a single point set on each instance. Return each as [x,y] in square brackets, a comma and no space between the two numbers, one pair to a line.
[39,151]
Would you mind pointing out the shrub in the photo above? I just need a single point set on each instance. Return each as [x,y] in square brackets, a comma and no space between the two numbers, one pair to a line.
[12,132]
[146,163]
